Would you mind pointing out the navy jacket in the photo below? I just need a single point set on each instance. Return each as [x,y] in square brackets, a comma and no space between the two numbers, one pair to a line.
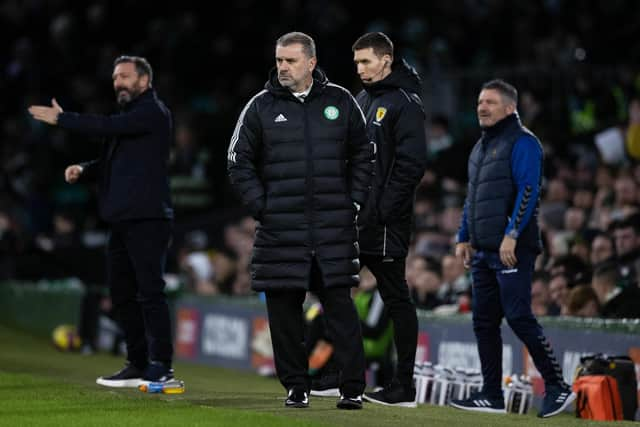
[132,170]
[505,170]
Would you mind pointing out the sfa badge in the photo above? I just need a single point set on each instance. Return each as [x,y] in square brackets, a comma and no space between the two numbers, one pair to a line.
[380,113]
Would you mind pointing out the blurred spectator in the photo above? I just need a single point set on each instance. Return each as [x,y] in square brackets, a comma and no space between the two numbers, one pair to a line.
[574,219]
[443,154]
[188,165]
[559,293]
[626,194]
[455,281]
[602,248]
[583,198]
[541,304]
[65,233]
[583,302]
[555,203]
[580,247]
[626,233]
[194,262]
[616,302]
[416,264]
[425,289]
[440,138]
[574,268]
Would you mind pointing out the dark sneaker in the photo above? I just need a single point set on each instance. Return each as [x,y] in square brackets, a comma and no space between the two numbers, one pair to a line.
[349,402]
[297,399]
[326,386]
[394,395]
[129,376]
[158,372]
[479,402]
[556,399]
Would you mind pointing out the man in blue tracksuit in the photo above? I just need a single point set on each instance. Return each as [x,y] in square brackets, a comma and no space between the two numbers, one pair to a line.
[500,225]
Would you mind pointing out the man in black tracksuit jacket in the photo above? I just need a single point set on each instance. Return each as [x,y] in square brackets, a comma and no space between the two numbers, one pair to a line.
[300,160]
[395,122]
[134,199]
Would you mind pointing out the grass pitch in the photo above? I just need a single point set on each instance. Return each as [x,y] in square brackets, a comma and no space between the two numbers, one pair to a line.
[40,386]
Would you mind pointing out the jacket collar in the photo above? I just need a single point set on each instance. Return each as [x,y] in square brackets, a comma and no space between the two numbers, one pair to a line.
[273,85]
[147,94]
[510,121]
[402,76]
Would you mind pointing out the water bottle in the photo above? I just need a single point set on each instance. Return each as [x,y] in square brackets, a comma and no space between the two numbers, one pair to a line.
[167,387]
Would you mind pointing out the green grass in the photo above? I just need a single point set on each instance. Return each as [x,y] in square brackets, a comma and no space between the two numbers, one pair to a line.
[40,386]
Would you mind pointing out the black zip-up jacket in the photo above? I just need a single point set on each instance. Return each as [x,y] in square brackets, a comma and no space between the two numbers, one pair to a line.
[132,171]
[395,122]
[298,167]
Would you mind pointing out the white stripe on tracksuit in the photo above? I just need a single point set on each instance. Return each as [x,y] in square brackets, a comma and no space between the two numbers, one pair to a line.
[231,155]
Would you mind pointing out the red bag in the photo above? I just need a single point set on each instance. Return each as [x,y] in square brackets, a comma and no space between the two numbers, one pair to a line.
[598,398]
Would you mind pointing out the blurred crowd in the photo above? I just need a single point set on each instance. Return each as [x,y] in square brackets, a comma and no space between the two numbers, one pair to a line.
[586,113]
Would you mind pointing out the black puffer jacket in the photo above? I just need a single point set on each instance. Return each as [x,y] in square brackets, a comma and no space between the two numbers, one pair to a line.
[395,121]
[299,166]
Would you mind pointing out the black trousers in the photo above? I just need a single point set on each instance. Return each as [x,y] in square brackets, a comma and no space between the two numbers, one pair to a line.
[287,325]
[136,255]
[390,277]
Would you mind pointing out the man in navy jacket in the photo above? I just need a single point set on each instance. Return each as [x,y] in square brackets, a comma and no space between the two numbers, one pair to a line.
[500,223]
[134,199]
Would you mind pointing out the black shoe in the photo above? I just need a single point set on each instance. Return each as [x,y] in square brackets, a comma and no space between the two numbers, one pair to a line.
[349,402]
[479,402]
[129,376]
[326,386]
[297,399]
[394,395]
[158,372]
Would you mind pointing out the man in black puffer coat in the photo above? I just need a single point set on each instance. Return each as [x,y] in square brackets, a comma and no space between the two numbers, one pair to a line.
[301,161]
[395,122]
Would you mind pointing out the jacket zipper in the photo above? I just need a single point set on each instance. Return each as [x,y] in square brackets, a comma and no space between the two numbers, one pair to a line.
[309,209]
[386,184]
[472,204]
[384,243]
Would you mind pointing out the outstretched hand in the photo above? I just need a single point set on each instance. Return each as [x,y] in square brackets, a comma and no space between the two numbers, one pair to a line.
[46,114]
[72,173]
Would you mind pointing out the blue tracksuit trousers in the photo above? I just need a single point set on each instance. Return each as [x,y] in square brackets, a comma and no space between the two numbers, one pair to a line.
[500,291]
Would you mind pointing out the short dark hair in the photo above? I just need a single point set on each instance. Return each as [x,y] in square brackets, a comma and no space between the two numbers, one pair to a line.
[379,42]
[631,221]
[608,271]
[605,235]
[542,276]
[308,45]
[143,68]
[506,90]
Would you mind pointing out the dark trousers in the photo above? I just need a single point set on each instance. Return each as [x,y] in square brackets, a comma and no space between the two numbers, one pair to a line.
[500,291]
[287,326]
[136,255]
[390,277]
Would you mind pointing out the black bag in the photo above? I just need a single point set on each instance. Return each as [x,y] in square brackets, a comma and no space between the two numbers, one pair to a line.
[623,370]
